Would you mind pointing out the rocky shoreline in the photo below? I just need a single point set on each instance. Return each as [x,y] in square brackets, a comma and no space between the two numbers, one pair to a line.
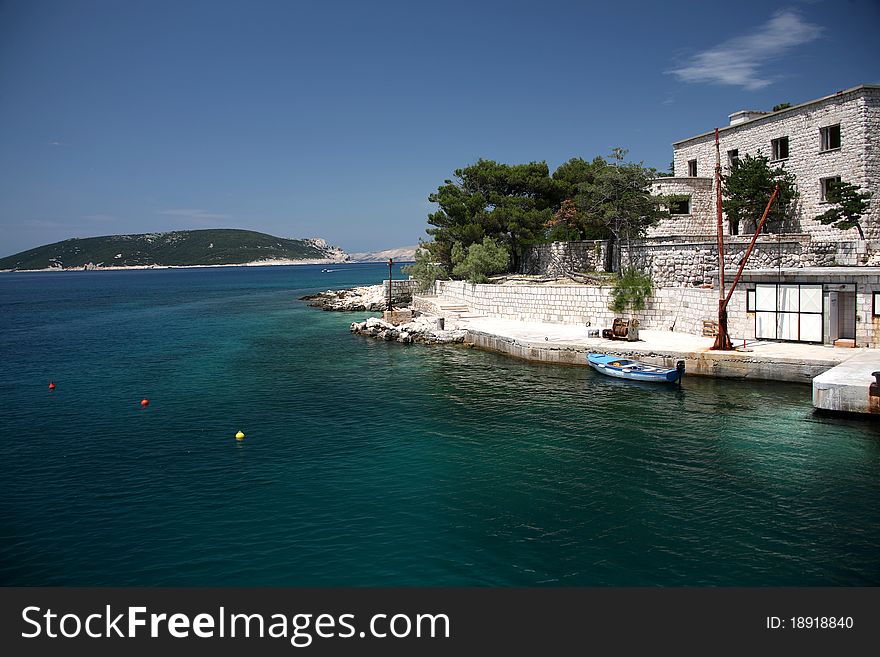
[423,329]
[90,266]
[368,298]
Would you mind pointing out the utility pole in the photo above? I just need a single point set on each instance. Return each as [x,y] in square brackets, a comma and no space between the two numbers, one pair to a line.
[722,340]
[390,282]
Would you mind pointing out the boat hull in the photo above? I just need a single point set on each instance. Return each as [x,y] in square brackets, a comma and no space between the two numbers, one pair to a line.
[633,370]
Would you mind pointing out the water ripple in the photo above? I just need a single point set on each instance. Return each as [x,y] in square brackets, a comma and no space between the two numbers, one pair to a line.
[368,463]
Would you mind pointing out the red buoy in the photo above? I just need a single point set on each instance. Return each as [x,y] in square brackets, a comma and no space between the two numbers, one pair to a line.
[145,402]
[51,386]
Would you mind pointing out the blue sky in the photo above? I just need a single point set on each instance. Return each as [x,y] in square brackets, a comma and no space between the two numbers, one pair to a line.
[337,119]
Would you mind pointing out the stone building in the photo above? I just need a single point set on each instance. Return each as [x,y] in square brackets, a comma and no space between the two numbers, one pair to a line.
[807,282]
[804,281]
[820,141]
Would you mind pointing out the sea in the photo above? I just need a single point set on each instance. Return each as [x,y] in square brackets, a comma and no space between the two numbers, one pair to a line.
[369,463]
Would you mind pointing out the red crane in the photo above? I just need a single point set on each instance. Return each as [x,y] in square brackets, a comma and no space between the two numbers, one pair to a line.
[722,340]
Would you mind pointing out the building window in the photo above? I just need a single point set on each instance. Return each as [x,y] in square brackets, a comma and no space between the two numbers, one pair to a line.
[876,304]
[680,206]
[750,301]
[692,168]
[732,157]
[779,148]
[830,137]
[789,311]
[825,185]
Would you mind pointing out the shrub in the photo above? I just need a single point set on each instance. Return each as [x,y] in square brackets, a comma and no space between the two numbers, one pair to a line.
[631,289]
[480,260]
[425,270]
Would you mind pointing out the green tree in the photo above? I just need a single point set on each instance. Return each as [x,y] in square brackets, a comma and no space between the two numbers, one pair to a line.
[669,173]
[426,269]
[479,261]
[518,205]
[851,204]
[618,204]
[570,181]
[631,290]
[747,188]
[781,106]
[564,225]
[509,203]
[569,176]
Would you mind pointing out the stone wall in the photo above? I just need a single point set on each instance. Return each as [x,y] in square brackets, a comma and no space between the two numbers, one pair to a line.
[701,218]
[560,258]
[680,309]
[867,326]
[856,161]
[693,260]
[694,263]
[401,290]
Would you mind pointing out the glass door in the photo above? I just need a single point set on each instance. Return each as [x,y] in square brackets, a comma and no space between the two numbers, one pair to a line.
[788,311]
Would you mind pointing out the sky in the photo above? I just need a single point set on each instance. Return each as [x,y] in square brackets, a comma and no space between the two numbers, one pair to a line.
[337,119]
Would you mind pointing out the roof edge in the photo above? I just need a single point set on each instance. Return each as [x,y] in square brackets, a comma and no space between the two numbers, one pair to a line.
[767,116]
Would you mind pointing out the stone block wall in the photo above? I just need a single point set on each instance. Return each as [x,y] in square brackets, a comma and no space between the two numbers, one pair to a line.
[683,263]
[856,161]
[679,309]
[701,219]
[401,290]
[693,260]
[560,258]
[867,326]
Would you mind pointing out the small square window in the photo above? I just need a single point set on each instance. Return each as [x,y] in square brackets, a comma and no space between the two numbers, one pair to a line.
[692,168]
[732,157]
[680,207]
[750,301]
[779,148]
[825,185]
[830,137]
[876,304]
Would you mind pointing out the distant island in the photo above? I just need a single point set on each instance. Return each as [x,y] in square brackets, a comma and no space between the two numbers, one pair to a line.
[400,254]
[180,248]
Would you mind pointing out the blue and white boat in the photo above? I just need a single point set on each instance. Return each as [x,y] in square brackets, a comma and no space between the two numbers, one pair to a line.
[623,368]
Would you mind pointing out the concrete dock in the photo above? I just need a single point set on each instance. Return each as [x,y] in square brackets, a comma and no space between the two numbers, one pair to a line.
[840,376]
[847,387]
[570,344]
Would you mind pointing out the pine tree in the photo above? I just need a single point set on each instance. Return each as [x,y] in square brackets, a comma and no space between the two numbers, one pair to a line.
[851,205]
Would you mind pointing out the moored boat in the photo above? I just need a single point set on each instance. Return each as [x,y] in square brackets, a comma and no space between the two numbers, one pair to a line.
[624,368]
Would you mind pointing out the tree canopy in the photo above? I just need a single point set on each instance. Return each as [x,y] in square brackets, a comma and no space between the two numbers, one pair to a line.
[747,188]
[425,270]
[850,204]
[522,204]
[508,203]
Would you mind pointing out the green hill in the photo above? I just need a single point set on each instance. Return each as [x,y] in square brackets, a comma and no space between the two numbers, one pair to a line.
[221,246]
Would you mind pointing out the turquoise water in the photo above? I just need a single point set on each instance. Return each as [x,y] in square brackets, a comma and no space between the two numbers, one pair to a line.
[371,463]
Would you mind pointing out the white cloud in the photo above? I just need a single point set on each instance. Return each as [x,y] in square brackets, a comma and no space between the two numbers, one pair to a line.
[738,61]
[193,213]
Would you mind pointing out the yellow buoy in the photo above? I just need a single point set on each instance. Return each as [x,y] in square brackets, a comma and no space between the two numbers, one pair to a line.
[239,435]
